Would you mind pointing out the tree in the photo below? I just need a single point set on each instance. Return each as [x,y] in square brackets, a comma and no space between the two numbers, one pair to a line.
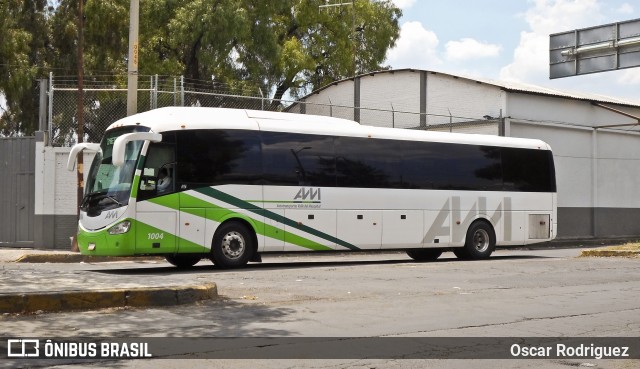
[307,46]
[280,47]
[23,54]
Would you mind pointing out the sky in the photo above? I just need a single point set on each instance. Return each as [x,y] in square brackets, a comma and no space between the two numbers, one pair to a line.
[507,40]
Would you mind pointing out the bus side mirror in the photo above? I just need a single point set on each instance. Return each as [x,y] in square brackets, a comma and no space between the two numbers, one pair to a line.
[120,145]
[78,148]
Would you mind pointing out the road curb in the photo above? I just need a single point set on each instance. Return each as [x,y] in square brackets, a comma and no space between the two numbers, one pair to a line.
[61,301]
[77,258]
[610,253]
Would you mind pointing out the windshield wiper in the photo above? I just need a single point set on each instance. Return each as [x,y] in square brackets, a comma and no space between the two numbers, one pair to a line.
[97,196]
[112,198]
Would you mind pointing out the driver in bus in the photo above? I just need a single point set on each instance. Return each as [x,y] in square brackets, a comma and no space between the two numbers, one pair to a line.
[164,180]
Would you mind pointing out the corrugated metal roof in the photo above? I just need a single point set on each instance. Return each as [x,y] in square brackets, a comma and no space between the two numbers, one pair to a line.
[507,86]
[533,89]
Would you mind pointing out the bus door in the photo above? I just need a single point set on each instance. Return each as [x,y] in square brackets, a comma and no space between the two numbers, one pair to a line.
[157,201]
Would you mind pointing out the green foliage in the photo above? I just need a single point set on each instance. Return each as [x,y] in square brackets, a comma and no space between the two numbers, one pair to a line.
[23,53]
[280,47]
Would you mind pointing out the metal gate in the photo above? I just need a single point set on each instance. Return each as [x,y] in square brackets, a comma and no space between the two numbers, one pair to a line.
[17,188]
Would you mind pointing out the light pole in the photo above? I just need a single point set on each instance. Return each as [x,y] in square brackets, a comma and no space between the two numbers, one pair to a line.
[132,67]
[80,104]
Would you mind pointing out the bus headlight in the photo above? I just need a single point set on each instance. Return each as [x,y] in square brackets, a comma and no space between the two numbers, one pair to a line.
[120,228]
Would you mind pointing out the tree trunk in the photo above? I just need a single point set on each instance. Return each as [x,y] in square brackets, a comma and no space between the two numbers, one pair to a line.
[280,91]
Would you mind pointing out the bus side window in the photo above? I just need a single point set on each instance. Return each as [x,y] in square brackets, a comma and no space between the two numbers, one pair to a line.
[165,182]
[147,179]
[157,177]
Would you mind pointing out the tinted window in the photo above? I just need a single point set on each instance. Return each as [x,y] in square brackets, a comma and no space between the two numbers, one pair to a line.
[215,157]
[212,157]
[161,153]
[298,159]
[528,170]
[441,166]
[368,163]
[158,171]
[474,167]
[421,168]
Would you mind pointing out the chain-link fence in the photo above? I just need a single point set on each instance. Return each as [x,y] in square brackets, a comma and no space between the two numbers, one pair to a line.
[399,118]
[105,101]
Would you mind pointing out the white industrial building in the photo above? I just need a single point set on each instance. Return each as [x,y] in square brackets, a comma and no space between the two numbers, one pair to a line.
[595,139]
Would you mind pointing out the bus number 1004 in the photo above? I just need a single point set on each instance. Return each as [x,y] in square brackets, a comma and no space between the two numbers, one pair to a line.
[156,236]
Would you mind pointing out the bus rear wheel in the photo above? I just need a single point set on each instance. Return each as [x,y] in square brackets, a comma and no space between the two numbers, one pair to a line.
[183,261]
[232,246]
[479,243]
[424,254]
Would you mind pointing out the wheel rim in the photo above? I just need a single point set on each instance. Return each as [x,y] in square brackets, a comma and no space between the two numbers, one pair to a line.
[481,240]
[233,245]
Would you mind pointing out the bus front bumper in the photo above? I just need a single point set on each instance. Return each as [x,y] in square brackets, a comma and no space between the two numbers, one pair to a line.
[101,243]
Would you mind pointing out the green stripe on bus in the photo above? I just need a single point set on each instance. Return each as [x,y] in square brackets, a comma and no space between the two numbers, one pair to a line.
[178,244]
[171,201]
[268,230]
[271,215]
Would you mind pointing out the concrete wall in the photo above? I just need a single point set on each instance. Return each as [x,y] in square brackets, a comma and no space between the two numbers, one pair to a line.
[390,99]
[598,170]
[338,103]
[564,111]
[55,197]
[408,99]
[460,97]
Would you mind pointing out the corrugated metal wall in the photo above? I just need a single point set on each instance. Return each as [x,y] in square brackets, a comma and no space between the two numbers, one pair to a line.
[17,167]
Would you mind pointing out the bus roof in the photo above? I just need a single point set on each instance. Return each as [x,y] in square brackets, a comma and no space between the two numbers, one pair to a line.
[178,118]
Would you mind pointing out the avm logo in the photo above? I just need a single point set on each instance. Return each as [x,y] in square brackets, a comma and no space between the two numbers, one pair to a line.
[308,194]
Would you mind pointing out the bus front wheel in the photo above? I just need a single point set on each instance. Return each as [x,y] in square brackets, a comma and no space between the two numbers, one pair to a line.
[479,243]
[232,245]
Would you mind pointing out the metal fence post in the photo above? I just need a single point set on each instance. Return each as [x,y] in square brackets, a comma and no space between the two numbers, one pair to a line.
[181,90]
[393,116]
[175,90]
[330,107]
[155,93]
[261,97]
[50,115]
[151,93]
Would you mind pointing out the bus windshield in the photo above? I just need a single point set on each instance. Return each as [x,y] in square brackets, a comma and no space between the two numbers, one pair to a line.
[109,186]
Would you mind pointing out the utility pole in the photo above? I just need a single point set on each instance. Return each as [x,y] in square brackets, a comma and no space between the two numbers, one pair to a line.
[80,101]
[132,80]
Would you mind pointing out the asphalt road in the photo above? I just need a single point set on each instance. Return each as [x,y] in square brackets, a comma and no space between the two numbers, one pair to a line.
[539,293]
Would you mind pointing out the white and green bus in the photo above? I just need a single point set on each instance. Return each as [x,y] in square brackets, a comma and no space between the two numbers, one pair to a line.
[229,185]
